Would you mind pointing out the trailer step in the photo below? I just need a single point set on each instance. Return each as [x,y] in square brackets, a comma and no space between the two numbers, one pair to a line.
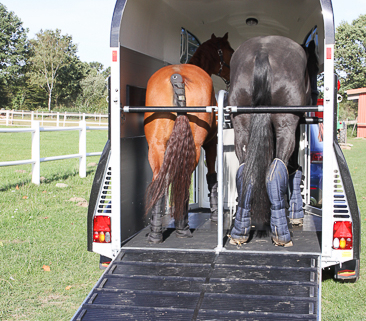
[153,284]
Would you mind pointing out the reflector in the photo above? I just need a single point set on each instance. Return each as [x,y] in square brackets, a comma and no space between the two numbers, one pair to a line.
[102,229]
[342,235]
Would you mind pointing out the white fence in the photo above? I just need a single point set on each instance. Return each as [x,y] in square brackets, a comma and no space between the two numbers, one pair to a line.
[36,158]
[25,118]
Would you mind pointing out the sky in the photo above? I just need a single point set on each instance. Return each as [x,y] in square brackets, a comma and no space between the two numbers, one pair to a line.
[89,21]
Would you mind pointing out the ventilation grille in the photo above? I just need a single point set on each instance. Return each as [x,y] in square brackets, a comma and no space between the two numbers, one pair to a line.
[340,204]
[105,197]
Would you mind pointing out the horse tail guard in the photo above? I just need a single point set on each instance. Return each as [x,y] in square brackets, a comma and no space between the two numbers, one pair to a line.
[179,159]
[260,149]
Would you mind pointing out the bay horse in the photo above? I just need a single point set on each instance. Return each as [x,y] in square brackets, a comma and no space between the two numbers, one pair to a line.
[266,71]
[175,140]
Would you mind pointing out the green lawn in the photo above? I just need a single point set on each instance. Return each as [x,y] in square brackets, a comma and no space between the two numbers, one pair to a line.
[345,301]
[39,227]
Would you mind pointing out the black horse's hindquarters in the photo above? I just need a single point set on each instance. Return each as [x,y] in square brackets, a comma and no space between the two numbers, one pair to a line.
[266,71]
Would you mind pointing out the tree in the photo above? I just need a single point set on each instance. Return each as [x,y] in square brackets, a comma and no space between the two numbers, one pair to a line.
[94,89]
[68,85]
[350,53]
[13,55]
[51,51]
[350,63]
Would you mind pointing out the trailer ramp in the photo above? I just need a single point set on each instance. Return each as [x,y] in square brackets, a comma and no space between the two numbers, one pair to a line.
[152,284]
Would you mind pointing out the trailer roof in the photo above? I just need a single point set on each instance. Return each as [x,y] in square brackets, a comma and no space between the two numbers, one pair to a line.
[152,27]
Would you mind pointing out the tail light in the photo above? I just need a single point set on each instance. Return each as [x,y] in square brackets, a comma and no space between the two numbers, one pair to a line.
[316,157]
[342,235]
[102,229]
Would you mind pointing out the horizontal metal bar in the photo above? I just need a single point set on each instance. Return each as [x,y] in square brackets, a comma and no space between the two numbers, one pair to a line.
[232,109]
[190,109]
[311,120]
[53,158]
[16,130]
[273,109]
[94,154]
[19,162]
[58,129]
[96,128]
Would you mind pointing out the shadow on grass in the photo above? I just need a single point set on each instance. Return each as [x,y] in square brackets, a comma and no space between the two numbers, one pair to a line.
[48,180]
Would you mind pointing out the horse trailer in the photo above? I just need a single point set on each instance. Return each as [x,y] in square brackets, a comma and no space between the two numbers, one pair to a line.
[205,277]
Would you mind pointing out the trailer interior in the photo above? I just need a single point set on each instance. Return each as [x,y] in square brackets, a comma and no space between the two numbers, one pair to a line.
[205,277]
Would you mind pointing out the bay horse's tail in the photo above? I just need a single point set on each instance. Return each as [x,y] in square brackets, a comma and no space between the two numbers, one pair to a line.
[260,149]
[178,164]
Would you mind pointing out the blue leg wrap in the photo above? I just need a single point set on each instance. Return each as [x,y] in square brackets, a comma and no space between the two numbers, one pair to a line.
[276,181]
[295,210]
[241,229]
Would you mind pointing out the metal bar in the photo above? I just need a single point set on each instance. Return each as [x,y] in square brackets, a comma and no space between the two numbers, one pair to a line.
[273,109]
[311,120]
[96,128]
[20,162]
[220,171]
[53,158]
[191,109]
[94,154]
[232,109]
[16,130]
[58,129]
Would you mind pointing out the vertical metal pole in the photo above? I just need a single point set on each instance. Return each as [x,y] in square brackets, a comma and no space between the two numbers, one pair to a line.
[328,152]
[220,171]
[115,136]
[36,157]
[82,149]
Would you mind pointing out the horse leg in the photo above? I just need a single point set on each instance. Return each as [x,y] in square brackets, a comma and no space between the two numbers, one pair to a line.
[211,177]
[242,223]
[181,226]
[276,182]
[296,212]
[156,157]
[156,230]
[277,176]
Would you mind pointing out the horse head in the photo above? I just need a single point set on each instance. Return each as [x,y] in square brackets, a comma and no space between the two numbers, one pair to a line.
[224,52]
[214,57]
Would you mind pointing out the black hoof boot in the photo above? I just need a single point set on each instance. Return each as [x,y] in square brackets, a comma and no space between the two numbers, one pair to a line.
[182,228]
[156,223]
[212,187]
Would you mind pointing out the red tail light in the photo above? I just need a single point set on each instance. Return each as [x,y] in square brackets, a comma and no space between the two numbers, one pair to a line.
[316,157]
[342,235]
[102,229]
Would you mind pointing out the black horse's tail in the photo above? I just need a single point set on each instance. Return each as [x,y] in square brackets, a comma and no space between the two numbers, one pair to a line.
[178,164]
[260,149]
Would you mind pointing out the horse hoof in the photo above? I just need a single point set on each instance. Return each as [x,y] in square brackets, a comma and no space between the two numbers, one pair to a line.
[214,216]
[155,239]
[297,221]
[238,241]
[183,234]
[283,244]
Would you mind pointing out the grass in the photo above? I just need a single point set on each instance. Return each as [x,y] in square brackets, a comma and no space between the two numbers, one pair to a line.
[345,301]
[39,227]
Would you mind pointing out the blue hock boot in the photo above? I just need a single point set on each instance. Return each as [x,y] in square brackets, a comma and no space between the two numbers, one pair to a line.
[296,212]
[276,181]
[242,223]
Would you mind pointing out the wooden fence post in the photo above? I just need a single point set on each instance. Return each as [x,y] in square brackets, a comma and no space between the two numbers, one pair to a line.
[36,157]
[82,149]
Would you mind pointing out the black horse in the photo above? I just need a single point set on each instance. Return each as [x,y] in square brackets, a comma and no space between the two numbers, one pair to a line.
[267,71]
